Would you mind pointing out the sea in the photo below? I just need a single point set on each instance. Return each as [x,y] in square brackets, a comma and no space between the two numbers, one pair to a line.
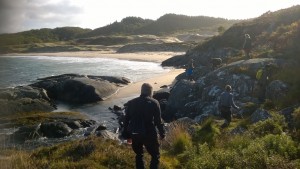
[25,70]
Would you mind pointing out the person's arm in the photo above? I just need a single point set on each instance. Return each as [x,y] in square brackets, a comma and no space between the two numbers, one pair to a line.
[127,117]
[158,121]
[233,103]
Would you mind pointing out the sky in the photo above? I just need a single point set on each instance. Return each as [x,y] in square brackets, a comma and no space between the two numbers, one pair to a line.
[21,15]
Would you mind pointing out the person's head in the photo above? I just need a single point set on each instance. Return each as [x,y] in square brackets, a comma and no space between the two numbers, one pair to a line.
[247,36]
[147,89]
[228,88]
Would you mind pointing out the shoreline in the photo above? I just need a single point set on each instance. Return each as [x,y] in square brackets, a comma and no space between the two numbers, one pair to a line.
[156,57]
[132,89]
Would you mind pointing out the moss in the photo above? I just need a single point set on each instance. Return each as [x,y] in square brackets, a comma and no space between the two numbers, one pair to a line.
[33,118]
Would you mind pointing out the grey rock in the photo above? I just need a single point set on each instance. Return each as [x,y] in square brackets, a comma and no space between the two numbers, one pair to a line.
[26,133]
[276,90]
[196,99]
[55,129]
[259,115]
[80,89]
[24,99]
[108,135]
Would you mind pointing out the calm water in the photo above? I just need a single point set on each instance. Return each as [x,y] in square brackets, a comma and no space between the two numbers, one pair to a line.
[21,70]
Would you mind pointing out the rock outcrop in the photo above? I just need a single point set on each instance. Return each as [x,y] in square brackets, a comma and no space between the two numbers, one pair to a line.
[24,99]
[199,99]
[80,89]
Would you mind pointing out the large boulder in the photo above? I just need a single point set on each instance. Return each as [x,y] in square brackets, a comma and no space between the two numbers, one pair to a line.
[25,133]
[24,99]
[55,129]
[259,115]
[79,89]
[276,90]
[181,93]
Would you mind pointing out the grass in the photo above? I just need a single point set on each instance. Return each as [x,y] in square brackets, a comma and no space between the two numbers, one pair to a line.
[33,118]
[201,146]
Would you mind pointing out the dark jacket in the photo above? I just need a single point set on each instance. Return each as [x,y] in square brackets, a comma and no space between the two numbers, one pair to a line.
[226,100]
[143,116]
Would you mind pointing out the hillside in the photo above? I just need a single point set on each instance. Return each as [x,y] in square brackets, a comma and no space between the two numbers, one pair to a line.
[274,34]
[167,24]
[127,31]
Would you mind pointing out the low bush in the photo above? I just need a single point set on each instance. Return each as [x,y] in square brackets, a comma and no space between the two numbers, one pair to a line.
[207,133]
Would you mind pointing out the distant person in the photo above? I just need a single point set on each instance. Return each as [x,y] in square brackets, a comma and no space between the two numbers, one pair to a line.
[225,104]
[190,70]
[263,76]
[247,46]
[142,118]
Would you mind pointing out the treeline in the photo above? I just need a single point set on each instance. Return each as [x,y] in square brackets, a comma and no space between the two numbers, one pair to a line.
[42,35]
[166,24]
[127,26]
[171,23]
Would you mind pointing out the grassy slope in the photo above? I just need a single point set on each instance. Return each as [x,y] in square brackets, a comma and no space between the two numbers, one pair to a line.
[267,144]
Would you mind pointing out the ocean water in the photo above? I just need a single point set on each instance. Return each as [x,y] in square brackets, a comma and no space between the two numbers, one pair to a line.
[24,70]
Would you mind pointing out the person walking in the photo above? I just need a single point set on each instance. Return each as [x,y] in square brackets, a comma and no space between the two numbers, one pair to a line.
[142,118]
[225,104]
[247,46]
[190,70]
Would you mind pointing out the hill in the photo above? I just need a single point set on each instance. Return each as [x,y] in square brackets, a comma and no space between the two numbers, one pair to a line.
[167,24]
[274,34]
[41,36]
[117,33]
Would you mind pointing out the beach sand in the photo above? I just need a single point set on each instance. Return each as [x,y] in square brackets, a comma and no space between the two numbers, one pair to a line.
[132,89]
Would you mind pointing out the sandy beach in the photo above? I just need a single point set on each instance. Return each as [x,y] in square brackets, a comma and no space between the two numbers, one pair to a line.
[133,88]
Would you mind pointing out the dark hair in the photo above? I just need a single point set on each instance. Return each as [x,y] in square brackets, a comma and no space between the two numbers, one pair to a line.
[147,89]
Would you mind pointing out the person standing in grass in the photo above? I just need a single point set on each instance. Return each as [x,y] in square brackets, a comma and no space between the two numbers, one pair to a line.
[225,104]
[142,118]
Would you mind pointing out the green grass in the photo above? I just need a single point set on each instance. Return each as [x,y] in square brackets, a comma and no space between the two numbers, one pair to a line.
[206,146]
[33,118]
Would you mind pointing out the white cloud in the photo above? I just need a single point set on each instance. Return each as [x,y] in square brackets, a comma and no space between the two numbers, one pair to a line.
[19,15]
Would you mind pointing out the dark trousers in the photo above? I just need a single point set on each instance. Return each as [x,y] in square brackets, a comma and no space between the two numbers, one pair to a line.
[152,146]
[226,114]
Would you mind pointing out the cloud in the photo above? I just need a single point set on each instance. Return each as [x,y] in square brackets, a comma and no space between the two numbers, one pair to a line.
[20,15]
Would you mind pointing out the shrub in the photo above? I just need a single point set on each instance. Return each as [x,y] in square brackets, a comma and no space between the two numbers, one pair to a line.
[274,125]
[200,157]
[227,158]
[254,156]
[282,145]
[207,133]
[236,142]
[263,128]
[268,105]
[296,118]
[177,139]
[182,143]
